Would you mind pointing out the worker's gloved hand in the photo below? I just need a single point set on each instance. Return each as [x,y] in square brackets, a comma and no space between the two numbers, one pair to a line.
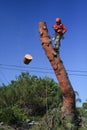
[59,31]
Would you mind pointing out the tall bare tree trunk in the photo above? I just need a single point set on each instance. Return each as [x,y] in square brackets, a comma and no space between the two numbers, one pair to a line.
[68,108]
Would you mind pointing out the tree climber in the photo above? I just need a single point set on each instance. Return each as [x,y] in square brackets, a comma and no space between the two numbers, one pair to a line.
[59,29]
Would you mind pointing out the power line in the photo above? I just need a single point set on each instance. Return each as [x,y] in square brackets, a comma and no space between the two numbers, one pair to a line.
[78,74]
[40,69]
[3,77]
[79,71]
[84,71]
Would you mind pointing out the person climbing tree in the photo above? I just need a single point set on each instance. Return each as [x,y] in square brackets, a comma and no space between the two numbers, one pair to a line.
[59,29]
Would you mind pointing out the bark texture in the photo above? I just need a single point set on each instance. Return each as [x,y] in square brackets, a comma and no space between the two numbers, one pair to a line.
[68,107]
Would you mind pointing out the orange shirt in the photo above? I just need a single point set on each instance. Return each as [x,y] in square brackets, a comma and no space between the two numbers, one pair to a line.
[59,28]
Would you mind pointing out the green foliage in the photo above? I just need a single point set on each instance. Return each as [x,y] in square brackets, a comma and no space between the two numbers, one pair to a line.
[12,115]
[51,121]
[28,96]
[19,113]
[83,116]
[7,116]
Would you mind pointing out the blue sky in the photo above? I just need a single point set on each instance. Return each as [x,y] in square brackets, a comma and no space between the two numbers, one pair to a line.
[19,35]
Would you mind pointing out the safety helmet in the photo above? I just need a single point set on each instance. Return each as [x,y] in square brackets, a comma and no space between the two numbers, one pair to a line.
[58,20]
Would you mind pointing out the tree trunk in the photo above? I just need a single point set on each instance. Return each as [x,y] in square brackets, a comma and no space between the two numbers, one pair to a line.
[68,108]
